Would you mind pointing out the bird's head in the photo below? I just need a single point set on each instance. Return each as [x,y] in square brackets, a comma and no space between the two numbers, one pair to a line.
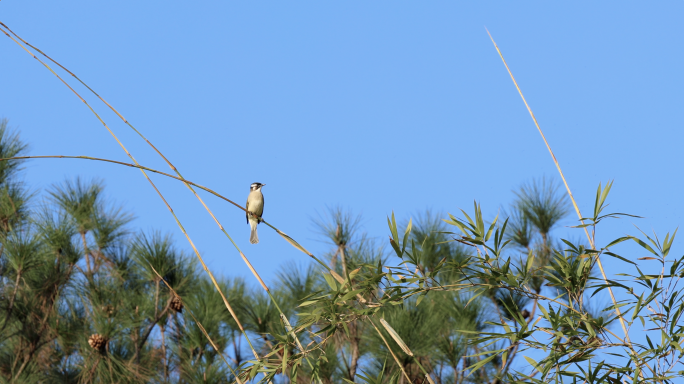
[256,186]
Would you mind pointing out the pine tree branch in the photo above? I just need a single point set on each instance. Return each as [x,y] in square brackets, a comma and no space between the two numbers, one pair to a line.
[11,303]
[149,330]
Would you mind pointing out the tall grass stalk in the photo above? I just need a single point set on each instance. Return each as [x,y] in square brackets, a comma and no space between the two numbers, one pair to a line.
[180,225]
[180,177]
[572,198]
[345,303]
[201,327]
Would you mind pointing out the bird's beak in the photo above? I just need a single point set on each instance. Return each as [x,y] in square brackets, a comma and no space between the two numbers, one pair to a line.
[263,185]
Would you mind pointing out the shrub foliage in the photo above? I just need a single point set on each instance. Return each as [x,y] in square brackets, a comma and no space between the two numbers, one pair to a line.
[86,298]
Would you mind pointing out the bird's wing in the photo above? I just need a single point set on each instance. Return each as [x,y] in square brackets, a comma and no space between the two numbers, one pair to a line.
[247,214]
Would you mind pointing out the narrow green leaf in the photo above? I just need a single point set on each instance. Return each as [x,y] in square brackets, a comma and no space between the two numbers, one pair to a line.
[479,364]
[406,235]
[331,281]
[637,308]
[396,337]
[284,360]
[644,245]
[531,361]
[491,227]
[420,298]
[597,210]
[618,241]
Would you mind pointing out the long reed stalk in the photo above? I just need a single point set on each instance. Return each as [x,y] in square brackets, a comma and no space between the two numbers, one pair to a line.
[396,359]
[287,324]
[201,327]
[572,198]
[190,185]
[206,269]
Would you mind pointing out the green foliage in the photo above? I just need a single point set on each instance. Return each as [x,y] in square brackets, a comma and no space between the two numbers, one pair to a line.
[81,301]
[11,145]
[86,298]
[541,205]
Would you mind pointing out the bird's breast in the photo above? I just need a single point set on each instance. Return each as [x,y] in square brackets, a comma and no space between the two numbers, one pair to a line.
[256,203]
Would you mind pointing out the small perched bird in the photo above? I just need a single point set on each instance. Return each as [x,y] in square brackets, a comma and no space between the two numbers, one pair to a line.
[255,205]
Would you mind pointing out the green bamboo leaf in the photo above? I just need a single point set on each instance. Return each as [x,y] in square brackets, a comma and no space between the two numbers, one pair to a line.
[420,298]
[472,223]
[668,244]
[474,296]
[644,245]
[503,232]
[254,370]
[590,329]
[637,308]
[307,303]
[605,193]
[479,364]
[396,337]
[611,254]
[350,294]
[293,242]
[395,247]
[596,203]
[406,235]
[479,219]
[331,282]
[395,232]
[531,361]
[491,227]
[284,360]
[546,314]
[618,240]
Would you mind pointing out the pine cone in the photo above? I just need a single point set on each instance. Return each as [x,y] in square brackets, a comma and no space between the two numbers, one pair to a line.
[97,342]
[177,304]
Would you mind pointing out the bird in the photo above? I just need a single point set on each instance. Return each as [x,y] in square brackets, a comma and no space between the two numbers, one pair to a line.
[255,205]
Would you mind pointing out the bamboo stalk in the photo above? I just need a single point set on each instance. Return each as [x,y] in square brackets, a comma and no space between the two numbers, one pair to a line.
[211,276]
[396,359]
[572,198]
[204,331]
[335,275]
[158,152]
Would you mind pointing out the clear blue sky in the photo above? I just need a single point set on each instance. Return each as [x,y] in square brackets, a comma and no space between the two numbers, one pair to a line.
[376,106]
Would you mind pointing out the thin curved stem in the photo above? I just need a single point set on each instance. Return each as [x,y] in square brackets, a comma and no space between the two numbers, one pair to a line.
[287,324]
[211,276]
[572,198]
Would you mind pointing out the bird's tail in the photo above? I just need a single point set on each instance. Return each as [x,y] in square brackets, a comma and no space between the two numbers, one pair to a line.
[253,237]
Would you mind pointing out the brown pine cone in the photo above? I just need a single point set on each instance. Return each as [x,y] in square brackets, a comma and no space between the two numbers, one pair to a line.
[177,304]
[97,342]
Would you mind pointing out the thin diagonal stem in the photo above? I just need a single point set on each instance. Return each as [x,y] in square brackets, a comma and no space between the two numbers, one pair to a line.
[287,325]
[201,327]
[181,178]
[572,198]
[396,359]
[211,276]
